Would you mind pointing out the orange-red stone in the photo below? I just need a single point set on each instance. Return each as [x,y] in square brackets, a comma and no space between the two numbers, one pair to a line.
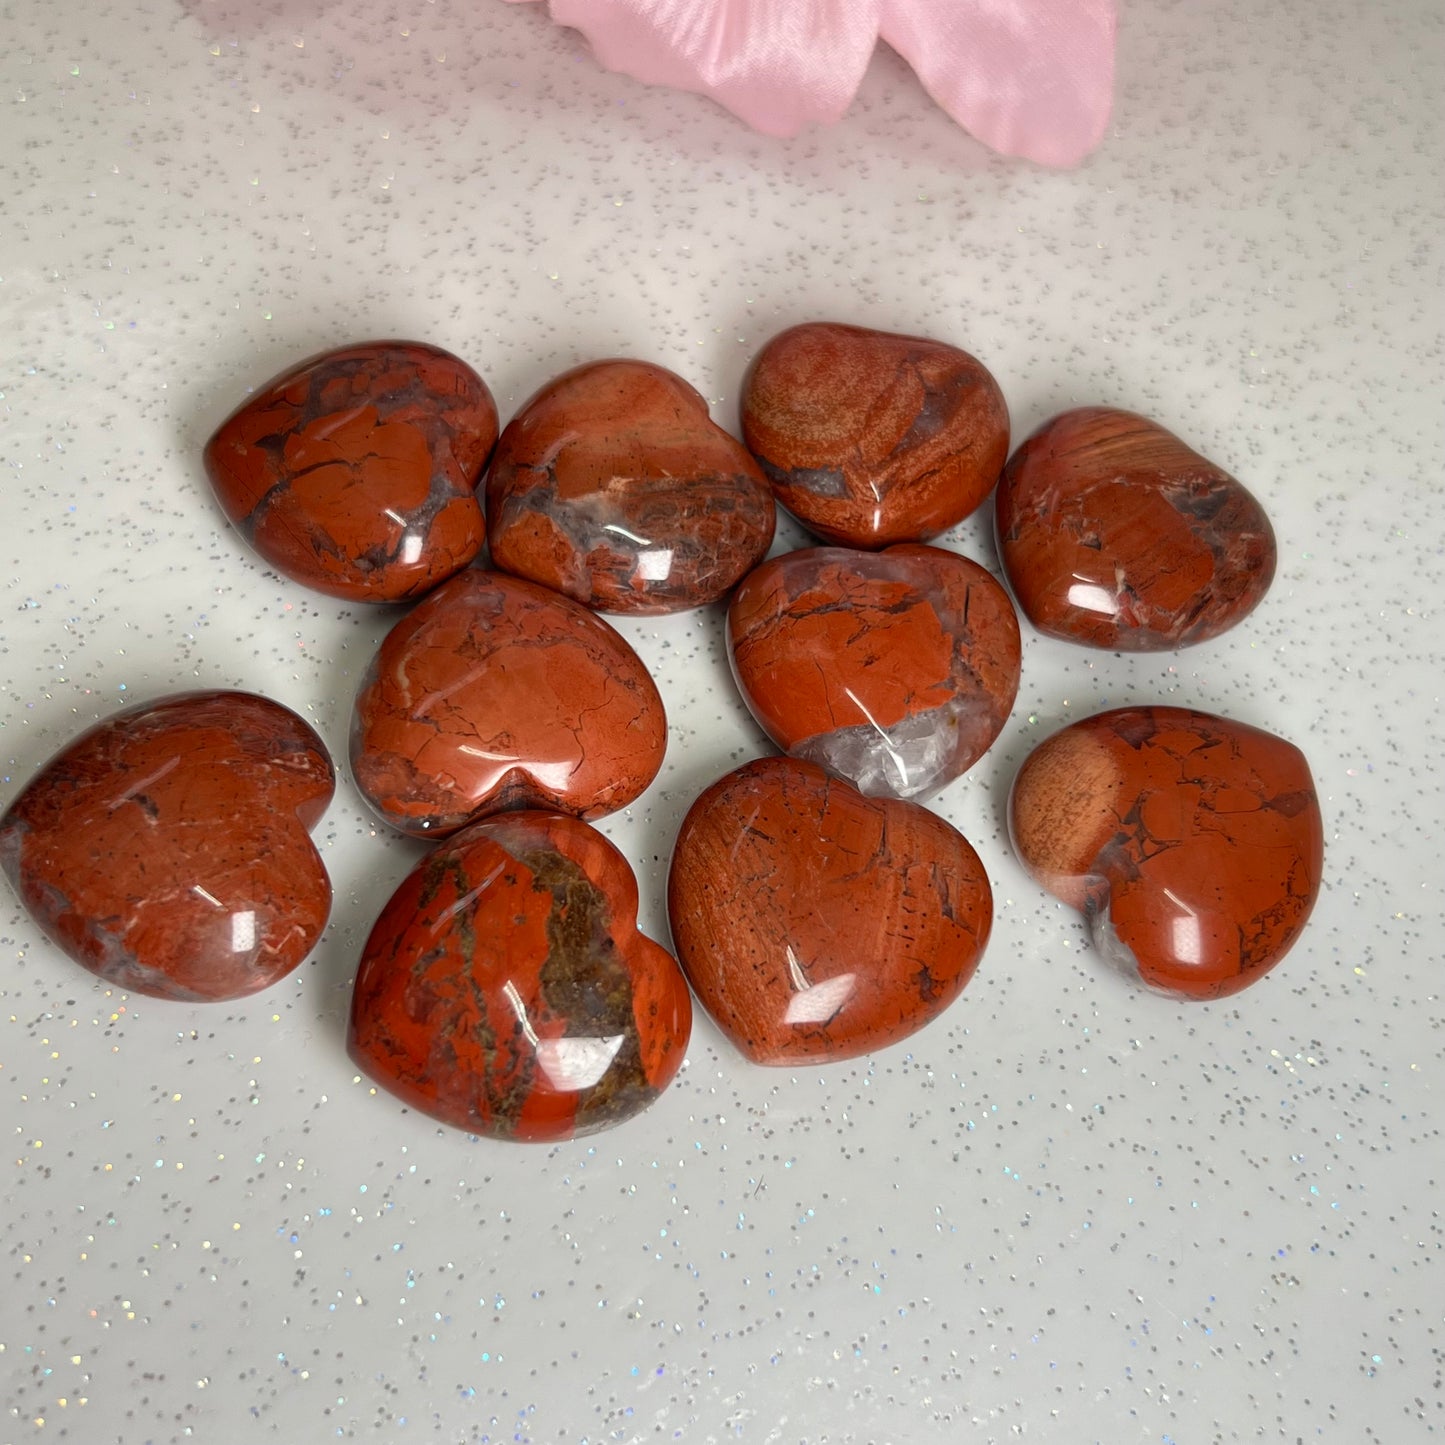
[815,923]
[870,438]
[1115,534]
[895,670]
[506,990]
[1192,844]
[355,472]
[496,694]
[167,848]
[614,486]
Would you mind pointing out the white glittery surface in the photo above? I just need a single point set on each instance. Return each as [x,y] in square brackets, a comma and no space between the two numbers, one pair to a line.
[1067,1211]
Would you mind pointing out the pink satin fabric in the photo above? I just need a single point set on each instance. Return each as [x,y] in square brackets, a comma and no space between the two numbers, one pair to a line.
[1031,78]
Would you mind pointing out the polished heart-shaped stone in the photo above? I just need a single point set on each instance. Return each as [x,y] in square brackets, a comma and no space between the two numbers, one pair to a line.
[496,694]
[1192,844]
[355,472]
[815,923]
[506,990]
[614,486]
[167,848]
[895,670]
[870,438]
[1113,533]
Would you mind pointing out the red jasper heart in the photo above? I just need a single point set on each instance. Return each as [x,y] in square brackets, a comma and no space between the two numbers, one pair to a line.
[505,988]
[870,438]
[816,923]
[166,849]
[495,694]
[1192,844]
[1115,534]
[355,472]
[895,670]
[614,486]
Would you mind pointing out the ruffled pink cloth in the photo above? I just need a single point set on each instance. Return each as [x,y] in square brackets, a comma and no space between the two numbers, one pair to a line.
[1030,78]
